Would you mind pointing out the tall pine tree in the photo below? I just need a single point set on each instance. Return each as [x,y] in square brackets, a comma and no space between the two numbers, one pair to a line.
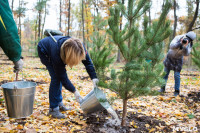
[100,50]
[141,45]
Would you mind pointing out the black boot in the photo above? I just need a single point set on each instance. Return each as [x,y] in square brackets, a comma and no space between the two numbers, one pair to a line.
[162,89]
[176,93]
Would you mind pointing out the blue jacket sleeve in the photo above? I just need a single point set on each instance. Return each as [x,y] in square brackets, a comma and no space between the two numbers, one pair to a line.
[89,65]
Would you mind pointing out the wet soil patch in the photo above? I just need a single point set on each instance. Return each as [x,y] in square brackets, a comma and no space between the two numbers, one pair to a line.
[136,122]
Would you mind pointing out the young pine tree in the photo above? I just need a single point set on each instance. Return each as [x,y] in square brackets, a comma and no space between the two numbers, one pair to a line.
[100,51]
[141,45]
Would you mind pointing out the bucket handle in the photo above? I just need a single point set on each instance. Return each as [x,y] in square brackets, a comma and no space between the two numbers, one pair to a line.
[16,76]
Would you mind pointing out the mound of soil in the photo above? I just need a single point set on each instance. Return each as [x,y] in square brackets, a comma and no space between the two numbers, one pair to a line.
[136,122]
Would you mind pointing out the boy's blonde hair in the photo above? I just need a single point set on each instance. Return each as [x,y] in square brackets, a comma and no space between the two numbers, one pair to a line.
[72,52]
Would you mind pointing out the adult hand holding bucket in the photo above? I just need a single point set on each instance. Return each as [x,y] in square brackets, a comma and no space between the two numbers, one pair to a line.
[19,98]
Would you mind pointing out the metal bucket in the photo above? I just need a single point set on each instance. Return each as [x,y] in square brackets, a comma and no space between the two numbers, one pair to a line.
[19,97]
[94,101]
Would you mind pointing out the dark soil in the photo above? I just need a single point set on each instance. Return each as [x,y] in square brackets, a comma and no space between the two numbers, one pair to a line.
[195,96]
[191,99]
[99,123]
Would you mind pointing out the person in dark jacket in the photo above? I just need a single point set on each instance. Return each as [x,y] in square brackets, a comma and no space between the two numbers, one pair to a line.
[180,46]
[9,39]
[55,55]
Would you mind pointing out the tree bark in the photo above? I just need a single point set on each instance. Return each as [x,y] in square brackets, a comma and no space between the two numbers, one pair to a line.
[87,25]
[12,5]
[45,14]
[69,18]
[39,23]
[195,17]
[36,31]
[19,27]
[124,112]
[175,19]
[83,21]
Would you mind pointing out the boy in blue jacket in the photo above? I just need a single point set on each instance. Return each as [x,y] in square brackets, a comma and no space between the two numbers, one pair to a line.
[55,56]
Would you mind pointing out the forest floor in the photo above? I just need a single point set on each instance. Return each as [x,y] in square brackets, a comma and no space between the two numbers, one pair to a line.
[145,114]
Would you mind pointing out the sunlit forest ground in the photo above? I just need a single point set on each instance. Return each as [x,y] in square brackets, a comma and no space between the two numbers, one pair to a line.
[145,113]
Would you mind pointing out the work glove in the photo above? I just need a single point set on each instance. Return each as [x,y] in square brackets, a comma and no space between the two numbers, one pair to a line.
[95,82]
[53,32]
[78,97]
[18,65]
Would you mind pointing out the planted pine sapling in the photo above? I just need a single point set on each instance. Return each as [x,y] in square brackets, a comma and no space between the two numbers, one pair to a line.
[141,46]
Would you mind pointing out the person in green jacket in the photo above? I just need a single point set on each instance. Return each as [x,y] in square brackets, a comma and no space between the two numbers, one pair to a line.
[9,39]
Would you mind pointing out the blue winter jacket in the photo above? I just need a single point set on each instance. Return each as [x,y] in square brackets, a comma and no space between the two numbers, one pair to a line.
[52,50]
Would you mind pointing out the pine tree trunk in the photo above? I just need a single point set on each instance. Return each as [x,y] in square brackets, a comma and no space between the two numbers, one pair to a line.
[175,19]
[195,17]
[124,112]
[60,15]
[83,21]
[118,55]
[69,18]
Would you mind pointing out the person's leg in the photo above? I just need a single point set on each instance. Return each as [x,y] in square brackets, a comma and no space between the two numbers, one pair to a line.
[55,89]
[55,96]
[177,83]
[165,78]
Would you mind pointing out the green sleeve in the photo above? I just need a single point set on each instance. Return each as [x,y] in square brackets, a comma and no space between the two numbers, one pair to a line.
[9,39]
